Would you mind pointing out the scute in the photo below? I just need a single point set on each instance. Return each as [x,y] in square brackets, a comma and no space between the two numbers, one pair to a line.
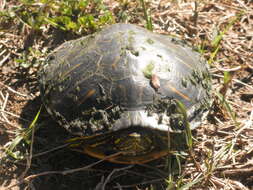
[102,83]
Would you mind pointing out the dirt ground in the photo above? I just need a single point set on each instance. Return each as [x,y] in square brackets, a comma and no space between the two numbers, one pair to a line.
[223,147]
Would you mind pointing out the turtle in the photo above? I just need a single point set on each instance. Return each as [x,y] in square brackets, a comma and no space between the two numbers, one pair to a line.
[127,94]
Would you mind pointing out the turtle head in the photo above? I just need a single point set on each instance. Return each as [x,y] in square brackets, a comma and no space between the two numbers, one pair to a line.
[132,145]
[135,138]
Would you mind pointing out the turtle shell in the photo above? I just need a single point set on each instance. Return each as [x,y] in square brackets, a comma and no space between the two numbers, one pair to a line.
[125,81]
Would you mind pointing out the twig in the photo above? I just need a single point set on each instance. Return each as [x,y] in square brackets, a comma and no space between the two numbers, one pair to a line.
[114,171]
[64,172]
[161,173]
[238,184]
[11,124]
[9,48]
[143,183]
[3,4]
[235,80]
[14,115]
[239,106]
[246,172]
[4,59]
[217,181]
[197,165]
[140,174]
[2,51]
[51,150]
[229,69]
[242,4]
[91,165]
[14,91]
[4,106]
[248,124]
[195,16]
[6,131]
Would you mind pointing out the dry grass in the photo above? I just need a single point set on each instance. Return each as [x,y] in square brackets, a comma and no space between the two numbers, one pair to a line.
[223,150]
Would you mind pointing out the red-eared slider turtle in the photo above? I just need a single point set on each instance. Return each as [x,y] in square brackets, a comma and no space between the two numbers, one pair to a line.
[119,88]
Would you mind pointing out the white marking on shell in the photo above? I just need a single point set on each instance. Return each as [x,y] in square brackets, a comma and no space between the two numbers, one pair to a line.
[142,119]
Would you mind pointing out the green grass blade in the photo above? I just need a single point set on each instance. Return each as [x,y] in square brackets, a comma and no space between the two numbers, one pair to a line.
[190,184]
[23,136]
[148,19]
[13,144]
[216,41]
[227,77]
[181,109]
[227,106]
[54,24]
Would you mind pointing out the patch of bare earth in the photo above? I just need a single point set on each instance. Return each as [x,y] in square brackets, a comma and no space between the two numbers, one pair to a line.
[223,150]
